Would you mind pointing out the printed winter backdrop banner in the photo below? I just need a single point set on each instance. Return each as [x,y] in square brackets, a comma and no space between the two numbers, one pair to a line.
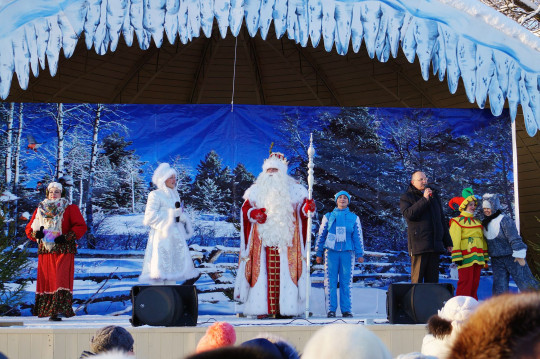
[110,151]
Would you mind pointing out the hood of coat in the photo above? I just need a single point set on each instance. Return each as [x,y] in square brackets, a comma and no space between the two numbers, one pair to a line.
[161,174]
[490,200]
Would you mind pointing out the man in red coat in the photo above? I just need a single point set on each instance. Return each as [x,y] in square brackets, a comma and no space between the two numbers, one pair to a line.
[272,275]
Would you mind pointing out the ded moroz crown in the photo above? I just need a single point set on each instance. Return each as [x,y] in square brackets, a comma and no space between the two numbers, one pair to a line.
[276,160]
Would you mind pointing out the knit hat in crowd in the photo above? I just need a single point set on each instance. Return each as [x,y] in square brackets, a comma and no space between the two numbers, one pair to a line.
[342,193]
[111,337]
[345,341]
[163,173]
[219,334]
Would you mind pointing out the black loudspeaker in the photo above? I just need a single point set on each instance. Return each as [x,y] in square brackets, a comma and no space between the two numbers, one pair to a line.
[408,303]
[164,305]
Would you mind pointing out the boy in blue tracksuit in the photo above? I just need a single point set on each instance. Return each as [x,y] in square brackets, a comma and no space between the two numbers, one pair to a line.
[340,238]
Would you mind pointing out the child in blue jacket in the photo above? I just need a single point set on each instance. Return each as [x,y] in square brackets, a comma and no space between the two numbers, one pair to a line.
[340,238]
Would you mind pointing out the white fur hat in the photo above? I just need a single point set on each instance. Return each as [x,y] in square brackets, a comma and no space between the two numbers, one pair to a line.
[345,341]
[458,309]
[162,173]
[276,160]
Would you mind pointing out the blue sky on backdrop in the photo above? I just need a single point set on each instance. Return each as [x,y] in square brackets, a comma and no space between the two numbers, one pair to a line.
[162,132]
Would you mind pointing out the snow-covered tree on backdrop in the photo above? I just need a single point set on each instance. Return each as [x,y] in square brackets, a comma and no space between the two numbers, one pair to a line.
[13,263]
[101,118]
[349,155]
[211,168]
[242,179]
[183,181]
[123,182]
[451,161]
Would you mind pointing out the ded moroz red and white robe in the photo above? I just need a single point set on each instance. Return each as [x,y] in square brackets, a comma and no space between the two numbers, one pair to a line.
[272,280]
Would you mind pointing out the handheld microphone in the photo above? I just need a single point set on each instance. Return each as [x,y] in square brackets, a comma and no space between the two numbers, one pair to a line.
[177,205]
[433,187]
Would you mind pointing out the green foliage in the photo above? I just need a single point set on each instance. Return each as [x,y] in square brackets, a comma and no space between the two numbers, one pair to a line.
[13,262]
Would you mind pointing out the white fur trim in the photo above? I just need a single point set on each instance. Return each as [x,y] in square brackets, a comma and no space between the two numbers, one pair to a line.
[274,162]
[493,227]
[458,309]
[522,253]
[54,185]
[249,215]
[163,172]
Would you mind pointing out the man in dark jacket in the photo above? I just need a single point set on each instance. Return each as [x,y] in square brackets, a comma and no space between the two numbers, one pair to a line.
[427,229]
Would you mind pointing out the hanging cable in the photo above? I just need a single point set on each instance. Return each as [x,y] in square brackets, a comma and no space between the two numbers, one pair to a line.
[234,73]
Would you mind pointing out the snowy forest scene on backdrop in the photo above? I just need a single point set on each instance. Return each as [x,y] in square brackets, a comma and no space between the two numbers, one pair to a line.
[111,151]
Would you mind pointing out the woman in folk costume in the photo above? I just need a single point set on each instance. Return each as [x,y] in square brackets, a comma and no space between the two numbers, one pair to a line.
[167,259]
[341,240]
[55,225]
[470,247]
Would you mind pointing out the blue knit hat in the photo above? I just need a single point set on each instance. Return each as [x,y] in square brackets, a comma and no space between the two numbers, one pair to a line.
[340,193]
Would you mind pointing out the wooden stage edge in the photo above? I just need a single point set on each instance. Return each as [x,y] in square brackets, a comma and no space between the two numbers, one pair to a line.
[38,339]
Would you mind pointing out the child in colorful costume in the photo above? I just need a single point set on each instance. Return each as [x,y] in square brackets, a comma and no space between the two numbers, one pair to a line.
[470,248]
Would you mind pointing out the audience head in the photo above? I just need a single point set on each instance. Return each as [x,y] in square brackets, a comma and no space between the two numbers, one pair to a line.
[499,328]
[111,338]
[445,326]
[286,349]
[233,352]
[219,334]
[113,354]
[345,341]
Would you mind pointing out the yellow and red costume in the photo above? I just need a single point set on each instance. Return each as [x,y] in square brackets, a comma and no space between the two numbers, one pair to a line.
[469,249]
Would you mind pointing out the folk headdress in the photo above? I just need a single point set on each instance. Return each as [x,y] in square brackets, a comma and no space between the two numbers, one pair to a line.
[276,160]
[467,196]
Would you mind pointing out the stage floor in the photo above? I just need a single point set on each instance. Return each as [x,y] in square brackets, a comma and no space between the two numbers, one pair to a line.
[37,338]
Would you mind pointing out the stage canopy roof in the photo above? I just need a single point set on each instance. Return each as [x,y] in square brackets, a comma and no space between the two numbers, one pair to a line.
[291,62]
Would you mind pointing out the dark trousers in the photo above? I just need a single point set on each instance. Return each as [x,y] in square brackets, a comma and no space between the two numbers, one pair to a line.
[425,268]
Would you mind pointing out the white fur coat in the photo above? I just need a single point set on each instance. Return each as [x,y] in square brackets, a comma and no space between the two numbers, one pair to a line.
[167,255]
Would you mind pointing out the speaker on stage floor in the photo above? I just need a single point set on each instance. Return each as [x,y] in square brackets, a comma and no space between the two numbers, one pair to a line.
[164,305]
[408,303]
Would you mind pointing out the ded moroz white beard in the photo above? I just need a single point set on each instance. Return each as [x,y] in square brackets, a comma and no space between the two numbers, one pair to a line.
[273,193]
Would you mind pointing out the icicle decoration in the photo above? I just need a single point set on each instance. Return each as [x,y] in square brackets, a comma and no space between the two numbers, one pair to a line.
[496,59]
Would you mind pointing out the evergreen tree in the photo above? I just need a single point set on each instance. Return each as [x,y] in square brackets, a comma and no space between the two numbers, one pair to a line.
[243,179]
[119,182]
[13,262]
[211,169]
[208,196]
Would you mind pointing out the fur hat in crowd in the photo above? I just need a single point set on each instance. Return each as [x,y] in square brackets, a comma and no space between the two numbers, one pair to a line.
[345,341]
[276,160]
[111,337]
[219,334]
[505,326]
[444,326]
[342,193]
[491,201]
[163,173]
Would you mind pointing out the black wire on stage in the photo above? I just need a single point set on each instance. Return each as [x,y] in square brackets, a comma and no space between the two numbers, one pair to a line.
[337,320]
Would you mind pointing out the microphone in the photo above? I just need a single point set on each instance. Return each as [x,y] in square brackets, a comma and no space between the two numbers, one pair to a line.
[433,187]
[177,205]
